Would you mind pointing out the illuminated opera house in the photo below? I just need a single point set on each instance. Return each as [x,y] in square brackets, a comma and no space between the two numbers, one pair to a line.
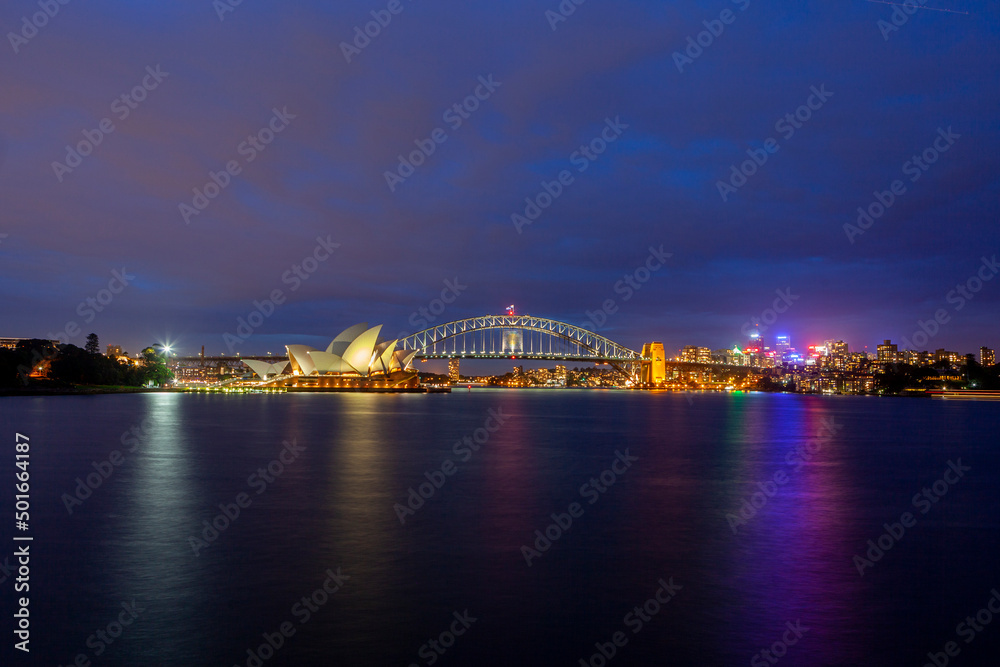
[354,361]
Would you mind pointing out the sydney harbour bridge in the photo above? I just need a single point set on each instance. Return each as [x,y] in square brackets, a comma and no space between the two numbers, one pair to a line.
[520,337]
[538,338]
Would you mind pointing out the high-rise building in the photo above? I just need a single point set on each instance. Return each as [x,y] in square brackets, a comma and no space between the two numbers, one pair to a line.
[888,352]
[453,370]
[113,350]
[839,347]
[723,356]
[782,344]
[942,354]
[986,356]
[693,354]
[857,361]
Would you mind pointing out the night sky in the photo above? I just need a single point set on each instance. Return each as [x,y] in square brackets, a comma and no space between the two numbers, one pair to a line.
[675,119]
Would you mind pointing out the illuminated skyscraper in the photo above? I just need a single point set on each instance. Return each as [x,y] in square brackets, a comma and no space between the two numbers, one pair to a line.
[782,344]
[986,356]
[453,370]
[888,352]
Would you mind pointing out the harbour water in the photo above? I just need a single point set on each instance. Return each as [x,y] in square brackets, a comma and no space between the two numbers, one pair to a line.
[672,529]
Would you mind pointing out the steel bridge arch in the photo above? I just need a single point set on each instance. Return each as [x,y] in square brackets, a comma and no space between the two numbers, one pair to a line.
[599,347]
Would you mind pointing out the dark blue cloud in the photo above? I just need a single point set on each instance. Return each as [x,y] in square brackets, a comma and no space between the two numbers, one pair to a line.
[656,184]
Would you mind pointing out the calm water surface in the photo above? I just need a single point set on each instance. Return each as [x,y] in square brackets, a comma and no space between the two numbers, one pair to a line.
[669,514]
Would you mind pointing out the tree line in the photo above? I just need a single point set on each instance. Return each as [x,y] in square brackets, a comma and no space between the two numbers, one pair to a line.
[67,364]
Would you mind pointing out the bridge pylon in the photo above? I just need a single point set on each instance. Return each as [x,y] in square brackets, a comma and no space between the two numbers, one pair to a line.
[654,365]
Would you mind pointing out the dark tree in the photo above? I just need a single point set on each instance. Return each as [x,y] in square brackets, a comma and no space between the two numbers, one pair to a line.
[768,383]
[898,377]
[981,377]
[33,354]
[68,364]
[154,368]
[92,345]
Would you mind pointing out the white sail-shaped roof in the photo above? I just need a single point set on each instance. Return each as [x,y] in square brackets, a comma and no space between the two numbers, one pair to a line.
[329,363]
[359,353]
[299,356]
[402,358]
[356,349]
[263,369]
[340,344]
[384,352]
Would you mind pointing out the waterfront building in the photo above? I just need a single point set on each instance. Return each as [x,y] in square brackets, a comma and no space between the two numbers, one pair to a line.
[264,369]
[11,343]
[355,351]
[857,361]
[540,376]
[888,352]
[453,373]
[942,354]
[693,354]
[723,356]
[986,356]
[832,382]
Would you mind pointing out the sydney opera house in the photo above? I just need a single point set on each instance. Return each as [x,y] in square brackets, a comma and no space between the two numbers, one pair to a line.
[354,361]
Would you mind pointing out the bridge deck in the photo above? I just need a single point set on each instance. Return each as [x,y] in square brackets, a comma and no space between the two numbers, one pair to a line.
[527,355]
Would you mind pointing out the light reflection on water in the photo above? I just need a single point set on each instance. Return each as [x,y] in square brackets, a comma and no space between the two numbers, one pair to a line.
[664,517]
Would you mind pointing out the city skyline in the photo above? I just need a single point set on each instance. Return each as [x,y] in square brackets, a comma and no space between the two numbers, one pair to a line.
[772,342]
[688,186]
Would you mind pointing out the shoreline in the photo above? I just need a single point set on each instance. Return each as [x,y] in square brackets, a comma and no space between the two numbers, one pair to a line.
[81,390]
[95,390]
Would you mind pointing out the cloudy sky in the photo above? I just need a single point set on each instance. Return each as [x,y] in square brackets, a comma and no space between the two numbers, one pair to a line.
[116,113]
